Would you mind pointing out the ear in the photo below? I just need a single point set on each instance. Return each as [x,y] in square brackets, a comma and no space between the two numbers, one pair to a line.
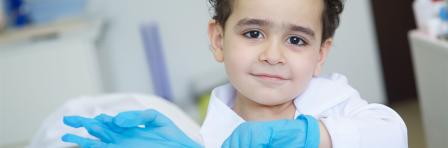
[323,53]
[216,37]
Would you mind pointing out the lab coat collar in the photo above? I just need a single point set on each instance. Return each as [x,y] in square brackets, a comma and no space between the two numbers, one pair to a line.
[320,95]
[221,119]
[323,93]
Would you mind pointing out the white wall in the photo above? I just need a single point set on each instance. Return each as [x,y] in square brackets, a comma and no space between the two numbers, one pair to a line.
[183,26]
[356,52]
[37,77]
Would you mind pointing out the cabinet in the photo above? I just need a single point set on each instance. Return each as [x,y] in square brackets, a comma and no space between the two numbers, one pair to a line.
[430,58]
[41,67]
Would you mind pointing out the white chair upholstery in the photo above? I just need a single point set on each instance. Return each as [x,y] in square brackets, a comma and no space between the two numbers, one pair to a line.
[52,128]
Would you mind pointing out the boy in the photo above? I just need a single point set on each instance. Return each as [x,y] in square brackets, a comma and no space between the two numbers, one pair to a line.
[273,52]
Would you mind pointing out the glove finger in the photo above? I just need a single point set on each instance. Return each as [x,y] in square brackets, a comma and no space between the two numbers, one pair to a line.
[83,142]
[108,121]
[72,121]
[149,118]
[92,126]
[152,119]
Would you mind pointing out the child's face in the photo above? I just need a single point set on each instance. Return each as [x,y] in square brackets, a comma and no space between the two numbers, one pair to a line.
[270,48]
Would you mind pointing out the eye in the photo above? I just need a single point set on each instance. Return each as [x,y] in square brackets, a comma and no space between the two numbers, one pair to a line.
[253,34]
[296,41]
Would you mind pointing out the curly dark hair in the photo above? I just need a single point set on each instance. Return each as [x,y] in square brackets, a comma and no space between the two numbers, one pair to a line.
[330,15]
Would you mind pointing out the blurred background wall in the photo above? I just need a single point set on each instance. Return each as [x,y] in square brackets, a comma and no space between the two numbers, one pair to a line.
[101,51]
[183,28]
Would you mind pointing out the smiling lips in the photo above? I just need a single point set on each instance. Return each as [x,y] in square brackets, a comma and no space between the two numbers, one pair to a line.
[269,76]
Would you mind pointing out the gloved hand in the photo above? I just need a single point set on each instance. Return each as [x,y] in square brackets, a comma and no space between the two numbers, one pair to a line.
[303,132]
[132,129]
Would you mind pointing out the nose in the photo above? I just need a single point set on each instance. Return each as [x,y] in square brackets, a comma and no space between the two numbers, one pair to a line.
[272,54]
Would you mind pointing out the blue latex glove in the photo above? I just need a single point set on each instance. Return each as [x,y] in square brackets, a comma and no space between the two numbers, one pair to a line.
[303,132]
[147,128]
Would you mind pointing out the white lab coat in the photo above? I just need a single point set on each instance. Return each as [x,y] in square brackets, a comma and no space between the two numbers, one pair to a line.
[350,120]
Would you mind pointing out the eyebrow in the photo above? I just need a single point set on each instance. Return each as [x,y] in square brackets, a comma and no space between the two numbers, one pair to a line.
[261,22]
[305,30]
[250,21]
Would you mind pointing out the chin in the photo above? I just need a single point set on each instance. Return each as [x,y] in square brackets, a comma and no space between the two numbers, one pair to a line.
[272,100]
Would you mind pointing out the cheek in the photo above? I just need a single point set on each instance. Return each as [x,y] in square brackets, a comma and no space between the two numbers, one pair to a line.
[302,67]
[237,59]
[238,54]
[302,72]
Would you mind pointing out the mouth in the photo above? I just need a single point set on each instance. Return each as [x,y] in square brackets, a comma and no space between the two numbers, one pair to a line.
[271,77]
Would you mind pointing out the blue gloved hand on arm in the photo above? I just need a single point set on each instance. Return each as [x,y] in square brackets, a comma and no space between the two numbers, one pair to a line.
[302,132]
[147,128]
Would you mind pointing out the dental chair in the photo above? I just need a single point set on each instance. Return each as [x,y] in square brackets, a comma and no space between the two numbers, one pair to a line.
[52,128]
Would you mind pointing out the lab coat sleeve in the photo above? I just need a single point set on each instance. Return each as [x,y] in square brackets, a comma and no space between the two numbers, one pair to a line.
[356,124]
